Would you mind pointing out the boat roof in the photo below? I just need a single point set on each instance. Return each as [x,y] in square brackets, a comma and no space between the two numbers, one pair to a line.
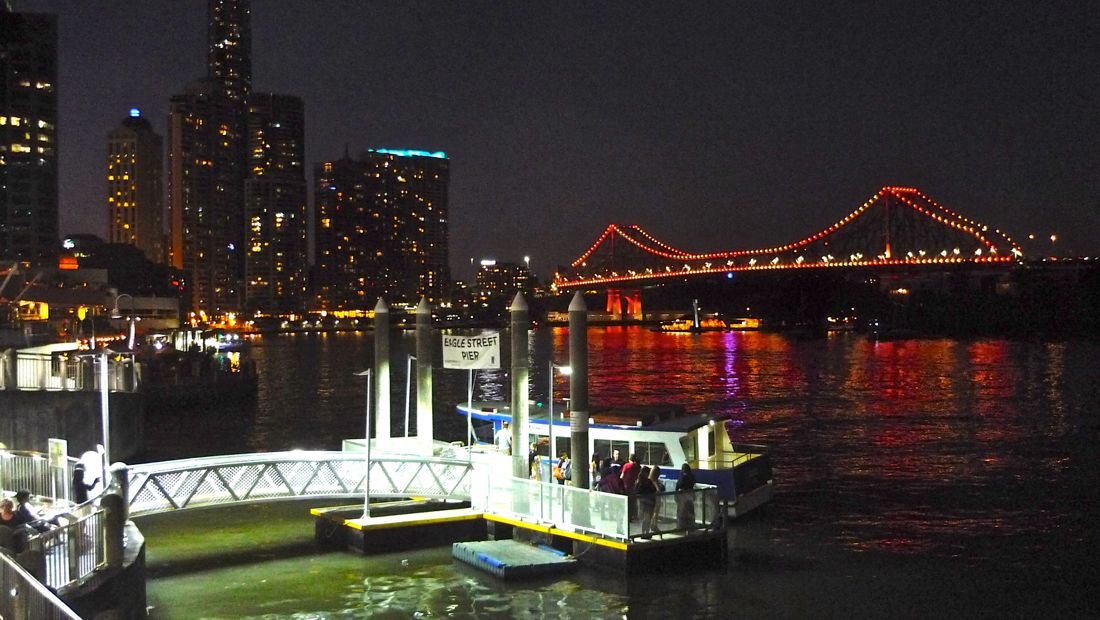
[658,417]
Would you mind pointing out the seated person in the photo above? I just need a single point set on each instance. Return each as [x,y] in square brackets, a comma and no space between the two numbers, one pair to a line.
[28,515]
[8,515]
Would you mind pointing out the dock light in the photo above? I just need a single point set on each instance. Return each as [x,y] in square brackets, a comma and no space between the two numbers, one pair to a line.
[565,372]
[366,475]
[117,314]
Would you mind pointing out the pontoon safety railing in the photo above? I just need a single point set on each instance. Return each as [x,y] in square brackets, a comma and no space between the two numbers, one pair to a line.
[22,597]
[221,480]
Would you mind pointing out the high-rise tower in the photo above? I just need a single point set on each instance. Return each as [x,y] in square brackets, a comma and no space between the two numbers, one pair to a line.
[205,190]
[381,228]
[206,163]
[276,254]
[229,51]
[134,188]
[28,136]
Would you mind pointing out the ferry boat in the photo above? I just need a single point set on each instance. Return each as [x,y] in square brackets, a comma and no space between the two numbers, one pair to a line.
[662,435]
[698,323]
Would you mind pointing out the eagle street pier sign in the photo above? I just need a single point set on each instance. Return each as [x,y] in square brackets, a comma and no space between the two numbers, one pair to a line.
[472,352]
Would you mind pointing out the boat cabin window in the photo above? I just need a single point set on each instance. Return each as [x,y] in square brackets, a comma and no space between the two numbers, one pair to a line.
[562,445]
[689,443]
[652,453]
[605,448]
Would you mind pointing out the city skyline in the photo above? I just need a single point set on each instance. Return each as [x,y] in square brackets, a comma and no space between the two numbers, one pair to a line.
[765,121]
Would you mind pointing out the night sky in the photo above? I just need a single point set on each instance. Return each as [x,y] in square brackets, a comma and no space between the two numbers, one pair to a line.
[714,125]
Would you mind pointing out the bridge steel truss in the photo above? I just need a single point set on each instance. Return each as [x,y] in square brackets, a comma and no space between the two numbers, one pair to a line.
[247,478]
[897,227]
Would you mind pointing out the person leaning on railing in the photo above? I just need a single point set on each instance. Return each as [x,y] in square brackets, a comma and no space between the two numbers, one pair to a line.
[685,498]
[80,487]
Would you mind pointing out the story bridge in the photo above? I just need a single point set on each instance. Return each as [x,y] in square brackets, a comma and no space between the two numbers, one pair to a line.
[898,228]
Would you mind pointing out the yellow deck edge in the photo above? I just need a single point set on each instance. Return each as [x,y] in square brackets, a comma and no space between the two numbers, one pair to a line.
[386,526]
[614,544]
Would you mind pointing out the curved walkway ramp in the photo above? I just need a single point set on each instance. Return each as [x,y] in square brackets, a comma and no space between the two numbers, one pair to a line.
[249,478]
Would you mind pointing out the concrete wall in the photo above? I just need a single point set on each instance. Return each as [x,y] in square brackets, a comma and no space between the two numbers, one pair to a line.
[28,419]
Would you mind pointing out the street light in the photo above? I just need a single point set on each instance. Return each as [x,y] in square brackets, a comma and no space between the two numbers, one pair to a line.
[116,314]
[565,372]
[366,475]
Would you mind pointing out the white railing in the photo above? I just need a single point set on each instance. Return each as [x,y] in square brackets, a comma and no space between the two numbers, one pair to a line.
[73,550]
[245,478]
[562,506]
[22,597]
[31,471]
[70,372]
[605,514]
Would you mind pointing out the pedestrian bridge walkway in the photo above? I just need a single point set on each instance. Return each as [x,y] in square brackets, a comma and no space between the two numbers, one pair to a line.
[272,476]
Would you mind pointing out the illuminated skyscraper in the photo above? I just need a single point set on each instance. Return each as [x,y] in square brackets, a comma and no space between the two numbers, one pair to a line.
[205,188]
[229,47]
[134,188]
[28,136]
[381,228]
[206,163]
[276,254]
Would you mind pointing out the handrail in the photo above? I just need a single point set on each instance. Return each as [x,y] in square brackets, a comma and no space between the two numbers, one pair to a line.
[67,371]
[31,471]
[249,478]
[22,596]
[675,512]
[72,551]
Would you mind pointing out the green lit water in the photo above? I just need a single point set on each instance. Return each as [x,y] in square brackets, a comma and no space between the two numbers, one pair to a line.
[261,562]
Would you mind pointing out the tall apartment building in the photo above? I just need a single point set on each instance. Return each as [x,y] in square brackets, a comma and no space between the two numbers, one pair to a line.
[276,251]
[134,186]
[205,187]
[229,47]
[28,136]
[206,164]
[381,228]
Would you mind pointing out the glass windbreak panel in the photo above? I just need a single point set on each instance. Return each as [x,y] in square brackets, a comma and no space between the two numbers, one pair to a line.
[652,453]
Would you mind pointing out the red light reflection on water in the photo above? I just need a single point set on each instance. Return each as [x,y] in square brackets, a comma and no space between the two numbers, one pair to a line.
[906,445]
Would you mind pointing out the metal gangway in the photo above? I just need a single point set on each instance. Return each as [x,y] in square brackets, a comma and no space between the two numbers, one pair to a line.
[249,478]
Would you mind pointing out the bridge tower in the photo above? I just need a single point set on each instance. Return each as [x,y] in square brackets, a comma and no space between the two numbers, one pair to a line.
[633,299]
[615,304]
[624,304]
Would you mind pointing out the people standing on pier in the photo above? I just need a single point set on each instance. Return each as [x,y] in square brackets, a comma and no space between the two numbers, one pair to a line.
[533,462]
[658,488]
[628,477]
[80,487]
[609,478]
[685,498]
[594,471]
[646,493]
[503,438]
[563,469]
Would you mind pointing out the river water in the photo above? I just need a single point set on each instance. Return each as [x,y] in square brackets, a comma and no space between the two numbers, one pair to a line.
[914,478]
